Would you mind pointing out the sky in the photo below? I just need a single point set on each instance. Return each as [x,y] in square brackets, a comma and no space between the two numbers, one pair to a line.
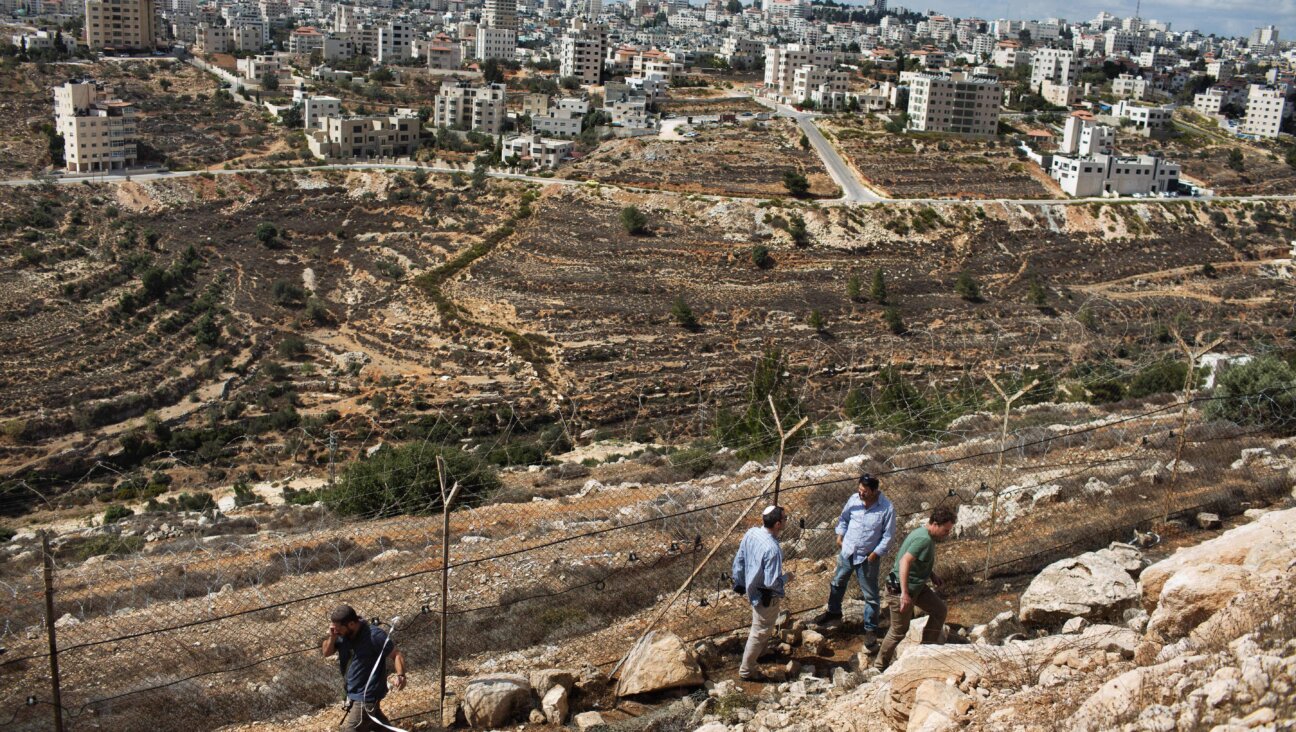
[1224,17]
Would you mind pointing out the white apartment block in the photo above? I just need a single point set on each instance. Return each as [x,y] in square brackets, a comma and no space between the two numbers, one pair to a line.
[379,136]
[1144,118]
[1129,86]
[1264,111]
[823,85]
[496,43]
[441,52]
[1100,174]
[537,150]
[1122,42]
[256,68]
[395,42]
[1083,136]
[500,14]
[1265,36]
[120,25]
[1059,95]
[627,106]
[337,48]
[210,39]
[317,110]
[461,106]
[561,120]
[782,62]
[956,104]
[581,54]
[98,132]
[1158,58]
[305,39]
[1009,55]
[741,51]
[1212,101]
[42,40]
[1220,70]
[1053,64]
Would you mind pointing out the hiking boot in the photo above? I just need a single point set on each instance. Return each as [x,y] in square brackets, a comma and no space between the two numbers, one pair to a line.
[755,677]
[826,617]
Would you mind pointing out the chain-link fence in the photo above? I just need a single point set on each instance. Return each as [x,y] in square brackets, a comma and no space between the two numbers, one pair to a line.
[221,628]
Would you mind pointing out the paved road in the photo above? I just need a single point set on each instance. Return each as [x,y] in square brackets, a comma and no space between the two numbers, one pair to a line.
[853,189]
[161,175]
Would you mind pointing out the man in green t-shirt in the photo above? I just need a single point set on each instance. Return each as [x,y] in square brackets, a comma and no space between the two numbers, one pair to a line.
[914,572]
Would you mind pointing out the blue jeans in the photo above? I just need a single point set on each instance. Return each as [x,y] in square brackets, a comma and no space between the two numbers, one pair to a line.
[867,576]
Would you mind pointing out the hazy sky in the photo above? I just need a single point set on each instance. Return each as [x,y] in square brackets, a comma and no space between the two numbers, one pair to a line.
[1227,17]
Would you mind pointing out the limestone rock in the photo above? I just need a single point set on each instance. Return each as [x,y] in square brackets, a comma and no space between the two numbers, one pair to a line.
[495,699]
[913,638]
[1091,586]
[543,681]
[1123,697]
[659,661]
[941,663]
[1208,520]
[536,717]
[999,628]
[815,643]
[1192,595]
[1074,625]
[587,720]
[554,705]
[937,706]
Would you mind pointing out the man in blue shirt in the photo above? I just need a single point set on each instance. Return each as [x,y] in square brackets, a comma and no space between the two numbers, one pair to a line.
[758,573]
[362,651]
[864,533]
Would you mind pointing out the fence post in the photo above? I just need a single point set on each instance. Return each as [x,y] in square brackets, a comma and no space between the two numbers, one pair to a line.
[57,695]
[446,500]
[998,481]
[1191,357]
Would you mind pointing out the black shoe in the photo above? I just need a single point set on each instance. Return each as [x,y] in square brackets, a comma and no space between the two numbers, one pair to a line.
[826,617]
[756,677]
[870,640]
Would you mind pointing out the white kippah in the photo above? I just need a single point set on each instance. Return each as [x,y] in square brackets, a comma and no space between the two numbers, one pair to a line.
[769,510]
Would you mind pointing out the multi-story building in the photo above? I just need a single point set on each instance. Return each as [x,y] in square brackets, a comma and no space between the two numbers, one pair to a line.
[305,39]
[1212,101]
[1263,37]
[1083,136]
[1009,54]
[1129,86]
[395,42]
[537,150]
[1100,174]
[1053,64]
[337,48]
[378,136]
[120,25]
[954,103]
[561,120]
[317,110]
[1158,58]
[581,53]
[462,106]
[496,43]
[823,85]
[210,38]
[1264,110]
[1059,95]
[441,52]
[1144,118]
[1220,70]
[782,62]
[500,14]
[1117,42]
[741,52]
[98,132]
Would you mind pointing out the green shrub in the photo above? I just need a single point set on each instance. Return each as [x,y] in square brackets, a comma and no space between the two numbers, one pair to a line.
[1259,393]
[292,347]
[634,221]
[6,534]
[294,497]
[106,545]
[967,288]
[115,513]
[403,480]
[683,314]
[244,495]
[1159,378]
[894,323]
[760,256]
[752,432]
[694,460]
[878,288]
[796,183]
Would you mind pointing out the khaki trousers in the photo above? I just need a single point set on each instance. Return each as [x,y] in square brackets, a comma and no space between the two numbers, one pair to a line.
[762,625]
[928,600]
[357,721]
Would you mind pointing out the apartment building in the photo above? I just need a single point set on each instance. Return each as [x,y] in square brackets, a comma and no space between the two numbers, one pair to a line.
[1083,136]
[1117,42]
[1264,111]
[120,25]
[377,136]
[561,120]
[1220,70]
[782,62]
[1053,64]
[395,42]
[462,106]
[441,52]
[1100,174]
[99,132]
[581,53]
[317,110]
[1059,95]
[823,85]
[305,39]
[1129,86]
[1010,55]
[537,150]
[737,51]
[495,43]
[1144,118]
[956,103]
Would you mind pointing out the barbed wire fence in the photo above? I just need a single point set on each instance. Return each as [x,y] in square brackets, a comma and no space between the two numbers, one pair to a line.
[213,630]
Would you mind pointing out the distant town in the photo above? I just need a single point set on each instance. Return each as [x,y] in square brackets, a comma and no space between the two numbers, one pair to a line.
[538,84]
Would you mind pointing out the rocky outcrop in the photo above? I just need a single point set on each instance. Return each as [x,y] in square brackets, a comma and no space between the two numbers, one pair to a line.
[493,700]
[937,706]
[1192,595]
[659,661]
[555,705]
[1095,586]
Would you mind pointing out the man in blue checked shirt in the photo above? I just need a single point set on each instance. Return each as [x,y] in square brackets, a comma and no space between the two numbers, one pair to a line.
[864,533]
[758,573]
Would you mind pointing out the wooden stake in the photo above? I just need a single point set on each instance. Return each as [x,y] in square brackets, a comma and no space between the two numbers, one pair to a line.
[446,500]
[55,690]
[998,480]
[1192,356]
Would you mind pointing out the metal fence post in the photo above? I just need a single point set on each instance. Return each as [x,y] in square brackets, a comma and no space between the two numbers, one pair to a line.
[446,500]
[57,702]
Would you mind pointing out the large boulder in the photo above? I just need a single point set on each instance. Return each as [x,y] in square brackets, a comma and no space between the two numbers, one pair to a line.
[1121,698]
[492,701]
[937,706]
[1267,544]
[543,681]
[1095,586]
[659,661]
[1192,595]
[946,664]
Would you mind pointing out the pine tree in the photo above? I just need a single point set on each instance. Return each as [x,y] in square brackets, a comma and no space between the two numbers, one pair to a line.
[878,289]
[853,290]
